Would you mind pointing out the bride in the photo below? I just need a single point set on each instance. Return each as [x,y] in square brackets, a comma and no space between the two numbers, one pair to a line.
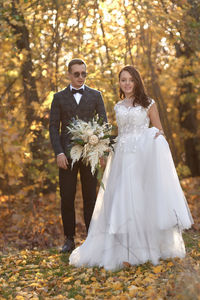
[141,213]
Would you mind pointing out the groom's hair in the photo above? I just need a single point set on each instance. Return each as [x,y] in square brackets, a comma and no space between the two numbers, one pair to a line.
[75,61]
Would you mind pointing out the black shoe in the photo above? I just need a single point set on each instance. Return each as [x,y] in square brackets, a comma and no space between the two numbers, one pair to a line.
[68,246]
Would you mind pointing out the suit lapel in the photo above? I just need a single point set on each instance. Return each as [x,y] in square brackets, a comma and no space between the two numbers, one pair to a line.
[84,98]
[70,97]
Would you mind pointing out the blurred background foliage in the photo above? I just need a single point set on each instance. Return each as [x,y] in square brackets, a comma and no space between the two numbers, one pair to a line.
[39,37]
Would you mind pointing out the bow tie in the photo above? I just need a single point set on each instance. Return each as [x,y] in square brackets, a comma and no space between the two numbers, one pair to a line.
[80,91]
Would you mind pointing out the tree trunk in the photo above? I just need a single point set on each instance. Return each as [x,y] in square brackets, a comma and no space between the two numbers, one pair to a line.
[22,42]
[188,121]
[128,39]
[188,103]
[109,62]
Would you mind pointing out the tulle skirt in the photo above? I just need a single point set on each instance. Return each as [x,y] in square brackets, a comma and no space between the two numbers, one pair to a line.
[141,212]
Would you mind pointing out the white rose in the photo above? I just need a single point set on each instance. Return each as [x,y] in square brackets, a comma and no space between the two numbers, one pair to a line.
[93,140]
[89,132]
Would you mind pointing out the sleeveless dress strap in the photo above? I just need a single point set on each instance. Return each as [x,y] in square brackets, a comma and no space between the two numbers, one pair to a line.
[152,102]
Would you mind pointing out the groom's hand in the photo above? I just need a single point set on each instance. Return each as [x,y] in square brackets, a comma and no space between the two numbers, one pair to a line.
[62,161]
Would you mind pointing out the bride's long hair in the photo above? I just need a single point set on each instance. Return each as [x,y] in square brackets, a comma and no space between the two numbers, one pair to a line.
[140,95]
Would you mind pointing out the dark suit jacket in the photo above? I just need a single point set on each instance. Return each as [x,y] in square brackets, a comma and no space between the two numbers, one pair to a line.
[64,107]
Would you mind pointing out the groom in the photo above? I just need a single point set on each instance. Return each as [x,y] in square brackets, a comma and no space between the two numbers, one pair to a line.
[77,100]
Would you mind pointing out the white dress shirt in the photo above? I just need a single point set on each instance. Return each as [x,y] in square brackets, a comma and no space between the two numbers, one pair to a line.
[77,96]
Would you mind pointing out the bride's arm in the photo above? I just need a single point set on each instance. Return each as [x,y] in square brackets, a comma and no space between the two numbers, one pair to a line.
[155,119]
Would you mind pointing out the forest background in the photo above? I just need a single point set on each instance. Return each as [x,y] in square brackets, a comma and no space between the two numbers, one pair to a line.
[161,38]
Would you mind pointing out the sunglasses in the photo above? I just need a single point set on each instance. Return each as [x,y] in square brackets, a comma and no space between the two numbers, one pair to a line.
[78,74]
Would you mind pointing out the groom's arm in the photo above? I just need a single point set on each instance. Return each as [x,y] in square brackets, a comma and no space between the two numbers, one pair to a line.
[54,126]
[100,108]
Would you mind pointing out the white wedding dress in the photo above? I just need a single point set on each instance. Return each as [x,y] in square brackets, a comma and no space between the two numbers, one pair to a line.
[141,213]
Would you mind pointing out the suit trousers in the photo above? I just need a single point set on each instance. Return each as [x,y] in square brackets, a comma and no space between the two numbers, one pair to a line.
[68,183]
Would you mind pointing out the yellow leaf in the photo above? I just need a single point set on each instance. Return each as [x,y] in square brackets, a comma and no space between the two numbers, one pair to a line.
[69,287]
[6,46]
[148,279]
[132,290]
[122,297]
[170,264]
[138,271]
[78,297]
[117,286]
[34,284]
[151,275]
[21,56]
[44,73]
[108,294]
[93,278]
[157,269]
[150,287]
[34,73]
[12,278]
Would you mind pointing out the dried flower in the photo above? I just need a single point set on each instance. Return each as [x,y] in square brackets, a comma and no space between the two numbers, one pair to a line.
[93,140]
[90,141]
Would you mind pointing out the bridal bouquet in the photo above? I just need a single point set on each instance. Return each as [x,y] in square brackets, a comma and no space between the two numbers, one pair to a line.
[90,141]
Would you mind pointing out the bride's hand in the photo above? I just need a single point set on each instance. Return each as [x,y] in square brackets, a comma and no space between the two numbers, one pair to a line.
[160,132]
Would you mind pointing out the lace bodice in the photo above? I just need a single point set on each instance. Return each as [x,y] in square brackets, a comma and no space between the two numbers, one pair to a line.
[131,121]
